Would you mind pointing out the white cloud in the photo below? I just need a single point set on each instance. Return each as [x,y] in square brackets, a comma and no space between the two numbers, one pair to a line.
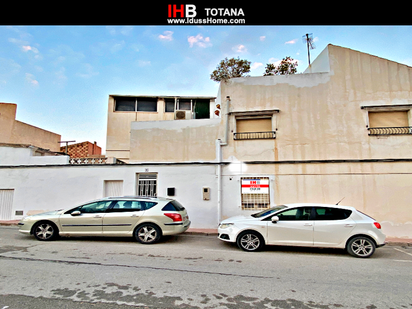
[143,63]
[262,38]
[239,48]
[199,41]
[274,61]
[27,48]
[166,36]
[8,68]
[256,65]
[294,41]
[117,46]
[124,30]
[60,76]
[87,71]
[31,79]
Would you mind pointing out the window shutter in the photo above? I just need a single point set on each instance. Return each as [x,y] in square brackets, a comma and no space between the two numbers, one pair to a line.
[388,119]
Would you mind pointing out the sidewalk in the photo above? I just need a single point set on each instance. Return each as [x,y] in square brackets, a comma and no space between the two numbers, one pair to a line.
[391,241]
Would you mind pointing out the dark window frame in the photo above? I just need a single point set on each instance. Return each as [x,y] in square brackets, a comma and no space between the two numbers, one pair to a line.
[140,104]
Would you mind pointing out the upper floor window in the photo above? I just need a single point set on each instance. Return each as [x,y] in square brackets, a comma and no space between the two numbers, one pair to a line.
[135,104]
[255,125]
[169,105]
[393,119]
[125,105]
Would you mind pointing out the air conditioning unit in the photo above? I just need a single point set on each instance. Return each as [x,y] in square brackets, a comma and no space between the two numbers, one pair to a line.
[183,114]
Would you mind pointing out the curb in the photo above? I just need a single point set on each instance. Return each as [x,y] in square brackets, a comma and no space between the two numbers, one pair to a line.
[213,232]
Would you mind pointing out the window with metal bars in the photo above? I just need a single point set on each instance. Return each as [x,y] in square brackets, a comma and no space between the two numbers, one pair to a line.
[147,185]
[389,123]
[255,193]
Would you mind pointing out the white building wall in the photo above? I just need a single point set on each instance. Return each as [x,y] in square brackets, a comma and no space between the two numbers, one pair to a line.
[370,187]
[44,188]
[10,155]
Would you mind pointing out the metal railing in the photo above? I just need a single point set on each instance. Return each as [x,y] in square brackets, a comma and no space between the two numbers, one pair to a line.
[254,135]
[390,131]
[101,160]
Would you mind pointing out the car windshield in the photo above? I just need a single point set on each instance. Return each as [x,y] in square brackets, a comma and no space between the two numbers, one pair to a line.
[269,211]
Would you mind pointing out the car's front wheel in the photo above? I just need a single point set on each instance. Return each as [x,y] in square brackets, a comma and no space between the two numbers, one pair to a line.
[250,241]
[45,231]
[361,246]
[147,233]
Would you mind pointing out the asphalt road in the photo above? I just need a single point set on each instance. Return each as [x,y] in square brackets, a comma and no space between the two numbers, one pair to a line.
[195,271]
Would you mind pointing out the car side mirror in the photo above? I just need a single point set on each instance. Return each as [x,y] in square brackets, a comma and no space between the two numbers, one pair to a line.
[275,219]
[76,213]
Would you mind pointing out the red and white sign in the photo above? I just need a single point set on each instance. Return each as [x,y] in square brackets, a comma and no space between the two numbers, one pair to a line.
[254,186]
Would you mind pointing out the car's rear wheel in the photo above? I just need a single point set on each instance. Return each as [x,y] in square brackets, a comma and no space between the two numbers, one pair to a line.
[147,233]
[362,247]
[250,241]
[45,231]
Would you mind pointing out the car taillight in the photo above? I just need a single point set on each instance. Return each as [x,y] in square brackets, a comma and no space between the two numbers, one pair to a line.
[378,226]
[175,217]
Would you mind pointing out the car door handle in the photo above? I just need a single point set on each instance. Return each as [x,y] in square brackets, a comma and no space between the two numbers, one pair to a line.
[348,225]
[97,216]
[308,224]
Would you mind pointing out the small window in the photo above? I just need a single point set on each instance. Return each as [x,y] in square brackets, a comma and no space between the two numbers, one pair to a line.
[254,128]
[125,105]
[325,213]
[173,206]
[185,105]
[123,206]
[147,105]
[255,193]
[96,207]
[148,205]
[296,214]
[388,123]
[147,185]
[169,105]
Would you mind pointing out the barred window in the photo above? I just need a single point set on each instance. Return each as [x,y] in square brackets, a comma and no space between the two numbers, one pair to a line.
[254,128]
[255,193]
[147,185]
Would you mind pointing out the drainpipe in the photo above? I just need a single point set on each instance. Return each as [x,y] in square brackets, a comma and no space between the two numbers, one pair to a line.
[219,145]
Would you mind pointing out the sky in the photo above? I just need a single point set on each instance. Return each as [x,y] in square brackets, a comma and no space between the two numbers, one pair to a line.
[61,77]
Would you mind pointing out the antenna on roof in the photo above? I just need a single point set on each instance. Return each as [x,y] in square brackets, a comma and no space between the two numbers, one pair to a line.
[340,201]
[308,38]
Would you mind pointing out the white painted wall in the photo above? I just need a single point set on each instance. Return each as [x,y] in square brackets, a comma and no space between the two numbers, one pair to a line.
[373,188]
[25,156]
[43,188]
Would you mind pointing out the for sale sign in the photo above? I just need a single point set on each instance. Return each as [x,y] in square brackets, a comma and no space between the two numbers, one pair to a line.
[255,186]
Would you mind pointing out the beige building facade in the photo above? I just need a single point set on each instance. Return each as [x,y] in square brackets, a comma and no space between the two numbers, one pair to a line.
[341,130]
[123,110]
[13,131]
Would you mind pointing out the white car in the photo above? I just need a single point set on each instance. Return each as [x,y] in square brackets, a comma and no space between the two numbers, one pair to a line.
[306,225]
[146,219]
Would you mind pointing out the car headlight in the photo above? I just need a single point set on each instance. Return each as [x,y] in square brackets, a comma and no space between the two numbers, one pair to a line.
[225,225]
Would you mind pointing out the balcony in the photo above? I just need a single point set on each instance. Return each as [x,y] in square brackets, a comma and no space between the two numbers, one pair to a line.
[390,131]
[254,135]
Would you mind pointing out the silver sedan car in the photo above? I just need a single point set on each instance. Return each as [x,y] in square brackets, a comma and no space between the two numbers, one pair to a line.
[145,219]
